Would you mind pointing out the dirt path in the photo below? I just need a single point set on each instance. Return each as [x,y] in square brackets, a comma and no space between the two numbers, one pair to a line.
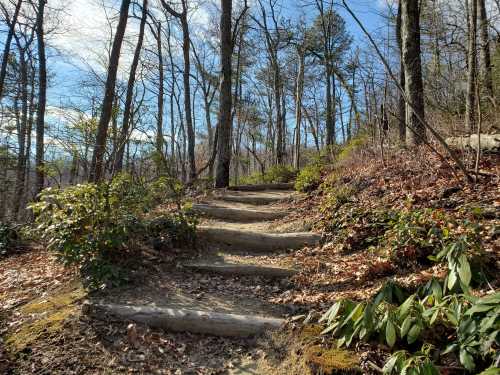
[237,246]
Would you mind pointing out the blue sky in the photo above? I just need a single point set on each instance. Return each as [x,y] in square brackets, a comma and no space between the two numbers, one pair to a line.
[84,30]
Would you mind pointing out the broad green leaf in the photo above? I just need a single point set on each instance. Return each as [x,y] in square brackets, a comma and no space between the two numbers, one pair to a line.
[452,279]
[405,307]
[464,270]
[491,371]
[405,327]
[414,333]
[390,333]
[467,360]
[389,365]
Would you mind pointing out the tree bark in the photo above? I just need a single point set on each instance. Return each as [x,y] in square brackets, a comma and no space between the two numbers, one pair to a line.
[161,94]
[470,105]
[225,116]
[414,88]
[21,134]
[8,41]
[485,54]
[127,111]
[401,100]
[107,105]
[42,98]
[299,91]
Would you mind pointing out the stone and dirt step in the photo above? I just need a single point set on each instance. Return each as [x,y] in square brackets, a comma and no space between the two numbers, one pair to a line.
[240,269]
[263,187]
[256,241]
[218,210]
[183,320]
[246,226]
[255,197]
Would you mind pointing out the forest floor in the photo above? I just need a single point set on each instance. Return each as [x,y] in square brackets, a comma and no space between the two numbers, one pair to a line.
[43,331]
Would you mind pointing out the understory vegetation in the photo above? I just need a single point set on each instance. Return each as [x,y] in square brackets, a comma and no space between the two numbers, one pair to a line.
[451,323]
[91,226]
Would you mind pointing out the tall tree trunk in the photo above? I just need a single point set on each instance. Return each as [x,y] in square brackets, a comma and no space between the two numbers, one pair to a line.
[279,113]
[470,105]
[299,91]
[413,71]
[161,94]
[485,54]
[127,111]
[42,98]
[107,105]
[186,45]
[225,105]
[8,41]
[330,121]
[21,135]
[187,94]
[401,99]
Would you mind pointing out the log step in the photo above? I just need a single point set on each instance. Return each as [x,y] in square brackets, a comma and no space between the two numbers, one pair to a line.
[262,187]
[258,241]
[237,214]
[234,269]
[181,320]
[255,198]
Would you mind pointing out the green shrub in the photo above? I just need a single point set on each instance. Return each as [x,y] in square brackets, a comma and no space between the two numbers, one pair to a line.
[173,230]
[465,325]
[275,174]
[9,237]
[309,178]
[87,225]
[279,174]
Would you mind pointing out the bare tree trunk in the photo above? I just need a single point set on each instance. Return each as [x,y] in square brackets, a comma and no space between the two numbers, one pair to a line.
[186,45]
[161,94]
[485,54]
[299,91]
[127,111]
[413,71]
[21,134]
[401,100]
[225,117]
[107,105]
[470,105]
[330,120]
[8,41]
[42,98]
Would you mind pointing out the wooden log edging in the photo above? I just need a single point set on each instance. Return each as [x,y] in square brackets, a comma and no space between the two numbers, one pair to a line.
[182,320]
[237,214]
[259,241]
[262,187]
[254,199]
[231,269]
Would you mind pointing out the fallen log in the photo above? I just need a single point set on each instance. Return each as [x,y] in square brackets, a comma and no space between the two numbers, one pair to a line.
[258,241]
[231,269]
[237,214]
[181,320]
[488,142]
[262,187]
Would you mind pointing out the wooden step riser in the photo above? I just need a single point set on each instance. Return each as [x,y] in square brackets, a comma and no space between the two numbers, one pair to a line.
[237,215]
[236,270]
[181,320]
[253,200]
[263,187]
[256,241]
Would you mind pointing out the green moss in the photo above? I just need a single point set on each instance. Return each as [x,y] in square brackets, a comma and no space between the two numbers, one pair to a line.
[54,302]
[44,317]
[326,361]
